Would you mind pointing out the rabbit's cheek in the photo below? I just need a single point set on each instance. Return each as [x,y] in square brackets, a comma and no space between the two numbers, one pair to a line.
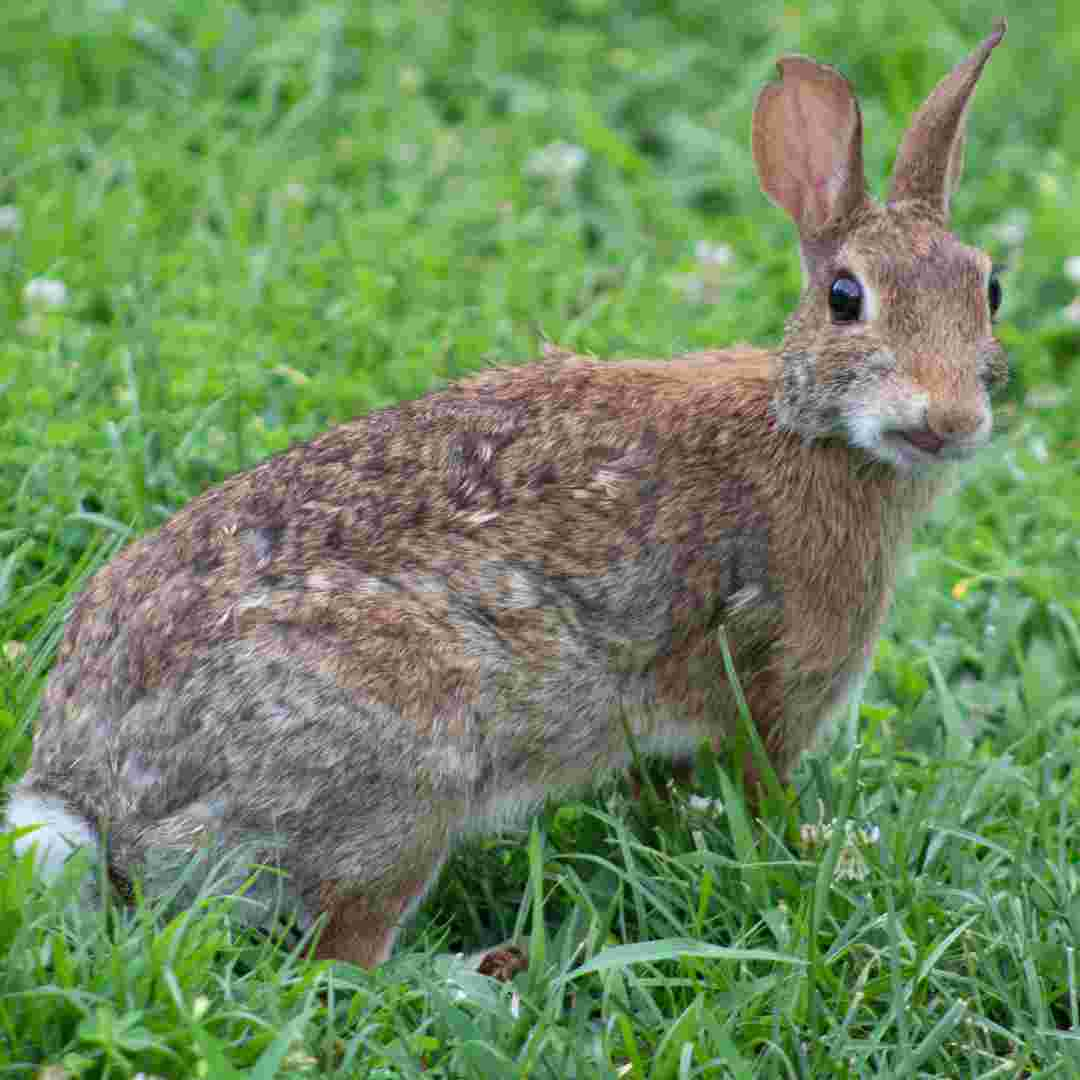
[801,403]
[873,415]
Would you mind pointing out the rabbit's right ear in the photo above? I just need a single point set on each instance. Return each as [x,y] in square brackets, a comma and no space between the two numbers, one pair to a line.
[807,143]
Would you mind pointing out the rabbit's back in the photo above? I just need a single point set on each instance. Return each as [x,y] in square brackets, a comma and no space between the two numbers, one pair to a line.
[459,600]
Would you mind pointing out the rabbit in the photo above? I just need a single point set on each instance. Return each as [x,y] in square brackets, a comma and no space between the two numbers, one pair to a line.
[426,621]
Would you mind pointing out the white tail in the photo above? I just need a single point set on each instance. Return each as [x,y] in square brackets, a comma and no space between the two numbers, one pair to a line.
[59,832]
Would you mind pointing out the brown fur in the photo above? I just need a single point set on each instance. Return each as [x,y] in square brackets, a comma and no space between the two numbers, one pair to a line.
[425,620]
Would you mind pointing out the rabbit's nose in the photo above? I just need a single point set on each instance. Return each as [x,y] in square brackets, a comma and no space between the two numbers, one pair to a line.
[956,423]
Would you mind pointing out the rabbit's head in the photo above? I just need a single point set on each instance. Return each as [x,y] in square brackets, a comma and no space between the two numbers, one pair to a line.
[891,347]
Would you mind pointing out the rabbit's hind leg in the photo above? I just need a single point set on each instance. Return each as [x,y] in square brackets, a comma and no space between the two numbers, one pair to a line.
[362,923]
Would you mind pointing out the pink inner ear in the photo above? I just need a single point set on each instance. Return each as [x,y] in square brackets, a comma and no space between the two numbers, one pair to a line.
[807,143]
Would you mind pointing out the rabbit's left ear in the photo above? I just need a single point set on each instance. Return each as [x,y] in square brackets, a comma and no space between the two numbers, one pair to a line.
[931,157]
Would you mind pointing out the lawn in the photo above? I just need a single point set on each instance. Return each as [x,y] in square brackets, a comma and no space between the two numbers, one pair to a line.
[224,228]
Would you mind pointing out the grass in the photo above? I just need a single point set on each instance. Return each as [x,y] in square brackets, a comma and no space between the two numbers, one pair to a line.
[267,217]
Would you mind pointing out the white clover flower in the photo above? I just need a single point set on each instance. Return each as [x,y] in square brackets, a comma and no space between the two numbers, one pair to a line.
[1046,396]
[296,193]
[1072,269]
[1072,312]
[691,287]
[1011,231]
[10,219]
[560,161]
[45,293]
[706,285]
[713,254]
[1040,451]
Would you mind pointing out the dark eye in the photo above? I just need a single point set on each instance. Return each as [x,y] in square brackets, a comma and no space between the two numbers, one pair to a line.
[993,294]
[845,299]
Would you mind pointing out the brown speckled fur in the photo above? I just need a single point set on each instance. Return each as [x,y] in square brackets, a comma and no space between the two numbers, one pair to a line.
[423,621]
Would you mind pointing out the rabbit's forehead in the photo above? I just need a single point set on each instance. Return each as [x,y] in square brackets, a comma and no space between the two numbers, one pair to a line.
[912,259]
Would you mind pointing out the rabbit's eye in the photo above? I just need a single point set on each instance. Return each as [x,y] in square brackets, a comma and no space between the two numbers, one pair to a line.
[993,293]
[845,298]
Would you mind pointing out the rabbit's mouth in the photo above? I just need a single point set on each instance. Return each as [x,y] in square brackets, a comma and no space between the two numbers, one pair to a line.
[929,442]
[921,447]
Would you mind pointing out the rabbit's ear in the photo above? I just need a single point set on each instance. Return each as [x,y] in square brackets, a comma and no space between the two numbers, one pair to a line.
[807,143]
[931,157]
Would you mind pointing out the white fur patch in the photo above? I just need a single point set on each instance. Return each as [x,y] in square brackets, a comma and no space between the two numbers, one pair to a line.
[892,407]
[60,832]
